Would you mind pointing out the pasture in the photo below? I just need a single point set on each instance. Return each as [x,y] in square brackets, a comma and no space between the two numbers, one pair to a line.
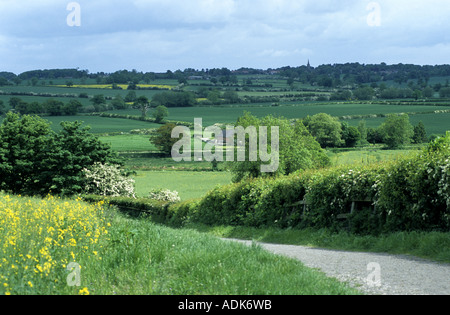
[189,184]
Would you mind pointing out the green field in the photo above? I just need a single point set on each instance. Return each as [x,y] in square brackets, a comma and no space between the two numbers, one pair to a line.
[129,143]
[229,114]
[366,156]
[190,185]
[101,125]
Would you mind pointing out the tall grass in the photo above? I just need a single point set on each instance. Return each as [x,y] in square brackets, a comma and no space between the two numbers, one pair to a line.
[144,258]
[124,255]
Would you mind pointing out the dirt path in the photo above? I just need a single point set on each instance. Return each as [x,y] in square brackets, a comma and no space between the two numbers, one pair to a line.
[373,273]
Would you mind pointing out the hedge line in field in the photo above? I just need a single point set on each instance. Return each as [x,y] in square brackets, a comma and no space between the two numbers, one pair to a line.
[405,195]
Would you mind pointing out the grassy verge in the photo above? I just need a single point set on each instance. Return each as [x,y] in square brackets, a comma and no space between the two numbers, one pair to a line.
[144,258]
[117,254]
[429,245]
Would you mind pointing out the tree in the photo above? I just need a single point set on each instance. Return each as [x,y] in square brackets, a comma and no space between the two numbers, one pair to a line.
[396,131]
[2,108]
[298,150]
[350,135]
[420,133]
[364,93]
[363,131]
[73,149]
[14,101]
[160,113]
[108,180]
[130,97]
[53,107]
[326,129]
[118,102]
[231,97]
[24,145]
[143,104]
[444,92]
[72,108]
[99,102]
[34,160]
[163,140]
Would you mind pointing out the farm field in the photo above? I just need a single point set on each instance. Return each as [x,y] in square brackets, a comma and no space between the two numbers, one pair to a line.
[101,125]
[366,156]
[229,114]
[436,124]
[189,185]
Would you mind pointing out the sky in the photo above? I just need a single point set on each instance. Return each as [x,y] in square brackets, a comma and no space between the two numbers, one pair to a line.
[161,35]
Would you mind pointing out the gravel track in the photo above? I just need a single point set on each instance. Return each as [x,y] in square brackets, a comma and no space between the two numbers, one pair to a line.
[378,274]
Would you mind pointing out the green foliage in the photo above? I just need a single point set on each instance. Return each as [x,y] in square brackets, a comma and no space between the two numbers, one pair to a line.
[36,160]
[298,150]
[174,99]
[160,113]
[163,138]
[396,131]
[351,135]
[420,133]
[326,129]
[411,194]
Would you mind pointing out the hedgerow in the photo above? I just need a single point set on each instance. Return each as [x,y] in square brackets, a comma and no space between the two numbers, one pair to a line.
[411,194]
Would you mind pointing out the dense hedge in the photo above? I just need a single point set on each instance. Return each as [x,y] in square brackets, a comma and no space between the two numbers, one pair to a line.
[409,194]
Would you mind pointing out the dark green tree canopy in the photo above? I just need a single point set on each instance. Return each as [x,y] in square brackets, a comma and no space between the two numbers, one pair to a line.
[34,160]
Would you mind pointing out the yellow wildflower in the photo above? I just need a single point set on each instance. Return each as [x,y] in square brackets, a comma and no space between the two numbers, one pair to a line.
[84,291]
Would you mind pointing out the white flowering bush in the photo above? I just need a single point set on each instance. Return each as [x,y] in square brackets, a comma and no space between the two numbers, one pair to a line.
[108,180]
[164,195]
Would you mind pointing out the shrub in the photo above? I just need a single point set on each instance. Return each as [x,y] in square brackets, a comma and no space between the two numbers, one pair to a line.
[164,195]
[108,180]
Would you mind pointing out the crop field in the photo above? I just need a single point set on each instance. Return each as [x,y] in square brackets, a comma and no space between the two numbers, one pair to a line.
[101,125]
[435,123]
[188,184]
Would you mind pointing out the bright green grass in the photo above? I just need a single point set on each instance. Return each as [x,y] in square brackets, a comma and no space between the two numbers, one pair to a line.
[229,114]
[190,185]
[41,238]
[129,143]
[434,123]
[143,258]
[103,125]
[366,156]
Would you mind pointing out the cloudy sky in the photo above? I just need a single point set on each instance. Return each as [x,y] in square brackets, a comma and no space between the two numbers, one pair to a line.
[160,35]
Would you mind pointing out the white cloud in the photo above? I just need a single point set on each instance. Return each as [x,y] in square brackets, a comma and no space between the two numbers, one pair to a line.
[171,34]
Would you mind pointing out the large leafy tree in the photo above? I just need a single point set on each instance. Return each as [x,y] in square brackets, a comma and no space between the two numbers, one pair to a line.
[162,138]
[298,150]
[326,129]
[34,160]
[396,131]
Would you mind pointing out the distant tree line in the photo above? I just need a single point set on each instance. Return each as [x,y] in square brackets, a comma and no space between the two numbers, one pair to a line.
[327,75]
[395,132]
[51,107]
